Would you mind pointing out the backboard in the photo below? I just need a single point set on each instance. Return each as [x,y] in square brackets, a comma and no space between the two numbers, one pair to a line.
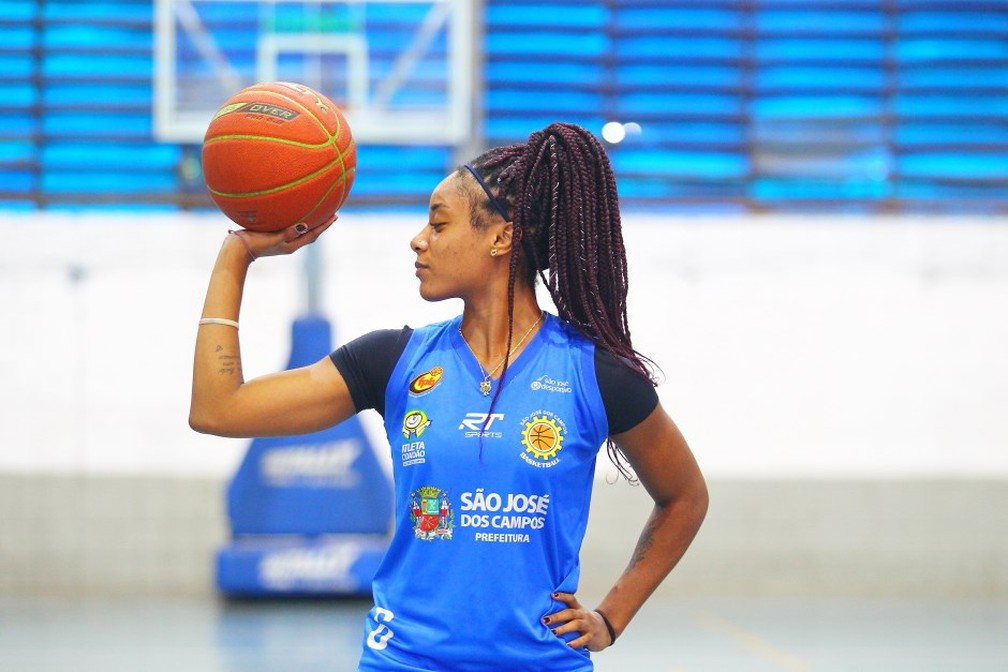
[402,70]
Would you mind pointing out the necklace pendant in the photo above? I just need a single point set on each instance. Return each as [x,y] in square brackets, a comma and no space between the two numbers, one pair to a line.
[485,387]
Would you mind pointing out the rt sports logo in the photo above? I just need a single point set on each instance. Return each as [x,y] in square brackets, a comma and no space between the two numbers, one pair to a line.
[477,425]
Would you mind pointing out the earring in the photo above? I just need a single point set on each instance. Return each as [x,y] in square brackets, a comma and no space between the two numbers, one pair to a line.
[493,251]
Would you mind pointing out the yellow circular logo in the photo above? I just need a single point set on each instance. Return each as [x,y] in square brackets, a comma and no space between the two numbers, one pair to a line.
[542,437]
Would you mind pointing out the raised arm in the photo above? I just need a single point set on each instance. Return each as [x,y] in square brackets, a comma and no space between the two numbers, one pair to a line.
[297,401]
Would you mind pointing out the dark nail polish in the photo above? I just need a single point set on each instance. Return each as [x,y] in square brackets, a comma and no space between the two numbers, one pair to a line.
[546,619]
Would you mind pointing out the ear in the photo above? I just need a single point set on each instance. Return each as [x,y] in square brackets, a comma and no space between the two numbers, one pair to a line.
[503,238]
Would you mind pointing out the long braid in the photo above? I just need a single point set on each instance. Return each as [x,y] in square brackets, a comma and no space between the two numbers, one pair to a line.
[564,209]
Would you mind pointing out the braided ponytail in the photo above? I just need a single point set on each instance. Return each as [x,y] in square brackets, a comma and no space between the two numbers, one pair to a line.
[560,191]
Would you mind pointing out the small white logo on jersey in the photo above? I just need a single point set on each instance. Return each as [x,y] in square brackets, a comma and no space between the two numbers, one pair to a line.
[549,384]
[479,424]
[378,638]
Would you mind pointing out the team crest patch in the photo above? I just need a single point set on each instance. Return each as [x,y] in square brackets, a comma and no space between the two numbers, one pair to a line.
[431,513]
[542,436]
[426,381]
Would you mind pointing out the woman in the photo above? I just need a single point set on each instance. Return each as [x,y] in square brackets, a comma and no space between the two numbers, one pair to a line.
[494,418]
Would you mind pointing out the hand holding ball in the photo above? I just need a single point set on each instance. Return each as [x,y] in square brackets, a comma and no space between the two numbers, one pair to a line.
[279,154]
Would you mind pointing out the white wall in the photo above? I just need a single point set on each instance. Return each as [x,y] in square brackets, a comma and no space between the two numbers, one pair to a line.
[791,347]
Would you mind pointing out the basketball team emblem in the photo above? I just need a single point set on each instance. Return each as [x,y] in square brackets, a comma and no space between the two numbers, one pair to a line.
[431,513]
[543,436]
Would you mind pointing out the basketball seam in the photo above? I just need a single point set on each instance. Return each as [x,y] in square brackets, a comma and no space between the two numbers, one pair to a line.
[311,113]
[328,191]
[281,187]
[331,137]
[267,138]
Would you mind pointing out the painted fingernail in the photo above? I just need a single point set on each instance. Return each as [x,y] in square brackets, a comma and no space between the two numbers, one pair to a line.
[556,594]
[301,228]
[554,631]
[546,619]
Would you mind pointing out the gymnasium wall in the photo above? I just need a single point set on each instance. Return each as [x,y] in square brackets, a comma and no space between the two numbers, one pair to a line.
[841,381]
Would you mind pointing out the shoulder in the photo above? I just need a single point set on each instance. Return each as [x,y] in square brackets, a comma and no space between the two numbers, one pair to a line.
[628,396]
[380,343]
[382,337]
[367,362]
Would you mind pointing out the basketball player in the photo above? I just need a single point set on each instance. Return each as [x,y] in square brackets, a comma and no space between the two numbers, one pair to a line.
[494,418]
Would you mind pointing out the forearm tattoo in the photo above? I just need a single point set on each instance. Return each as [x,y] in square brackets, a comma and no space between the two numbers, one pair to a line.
[645,542]
[229,364]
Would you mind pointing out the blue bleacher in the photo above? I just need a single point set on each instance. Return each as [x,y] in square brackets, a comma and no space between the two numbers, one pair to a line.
[913,133]
[954,166]
[83,12]
[985,106]
[559,101]
[817,107]
[97,38]
[16,66]
[698,77]
[806,77]
[962,22]
[769,104]
[92,181]
[546,43]
[775,190]
[23,94]
[109,125]
[666,164]
[951,79]
[828,49]
[680,49]
[17,38]
[17,181]
[63,156]
[19,125]
[97,66]
[958,48]
[16,151]
[592,16]
[503,128]
[558,74]
[18,11]
[811,133]
[691,18]
[641,104]
[710,132]
[821,21]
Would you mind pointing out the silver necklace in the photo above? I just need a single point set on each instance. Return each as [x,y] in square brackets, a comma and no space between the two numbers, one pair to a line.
[486,384]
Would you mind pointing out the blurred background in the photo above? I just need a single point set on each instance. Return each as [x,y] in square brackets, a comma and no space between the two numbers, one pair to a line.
[814,197]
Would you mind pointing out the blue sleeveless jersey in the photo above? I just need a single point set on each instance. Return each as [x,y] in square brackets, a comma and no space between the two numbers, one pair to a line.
[491,507]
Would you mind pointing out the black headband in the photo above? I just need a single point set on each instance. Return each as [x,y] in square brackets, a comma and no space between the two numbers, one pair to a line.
[493,201]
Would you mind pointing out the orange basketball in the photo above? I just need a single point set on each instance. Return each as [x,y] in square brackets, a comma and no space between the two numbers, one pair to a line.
[277,154]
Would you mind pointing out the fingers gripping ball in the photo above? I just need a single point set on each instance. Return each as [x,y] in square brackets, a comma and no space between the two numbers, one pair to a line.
[277,154]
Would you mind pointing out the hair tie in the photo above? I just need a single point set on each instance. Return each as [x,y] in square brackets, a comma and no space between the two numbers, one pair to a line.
[493,201]
[608,626]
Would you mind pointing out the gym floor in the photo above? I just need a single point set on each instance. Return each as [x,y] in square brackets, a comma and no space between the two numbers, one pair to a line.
[669,635]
